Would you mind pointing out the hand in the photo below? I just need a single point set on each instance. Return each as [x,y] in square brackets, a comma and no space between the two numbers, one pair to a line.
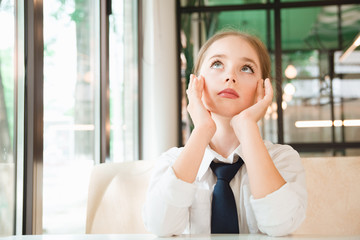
[264,96]
[200,116]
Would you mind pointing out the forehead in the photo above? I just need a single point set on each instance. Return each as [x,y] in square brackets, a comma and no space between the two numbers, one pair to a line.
[232,47]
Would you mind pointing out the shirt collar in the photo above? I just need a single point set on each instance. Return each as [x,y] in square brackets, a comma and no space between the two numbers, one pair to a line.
[211,155]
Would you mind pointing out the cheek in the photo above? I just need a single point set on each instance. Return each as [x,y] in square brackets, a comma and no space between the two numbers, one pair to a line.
[210,90]
[249,85]
[253,86]
[210,81]
[206,97]
[248,90]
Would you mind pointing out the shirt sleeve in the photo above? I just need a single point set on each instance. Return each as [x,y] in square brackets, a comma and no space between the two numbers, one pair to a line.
[166,208]
[281,212]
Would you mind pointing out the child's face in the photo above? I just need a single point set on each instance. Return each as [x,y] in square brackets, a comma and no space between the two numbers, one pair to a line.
[230,64]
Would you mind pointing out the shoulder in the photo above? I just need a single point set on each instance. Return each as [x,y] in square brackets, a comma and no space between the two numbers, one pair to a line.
[169,156]
[172,153]
[280,150]
[286,159]
[165,161]
[284,156]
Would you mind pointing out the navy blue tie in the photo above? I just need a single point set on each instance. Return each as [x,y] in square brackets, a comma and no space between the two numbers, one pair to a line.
[224,218]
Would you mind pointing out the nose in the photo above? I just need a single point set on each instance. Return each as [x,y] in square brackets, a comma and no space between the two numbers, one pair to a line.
[230,75]
[232,79]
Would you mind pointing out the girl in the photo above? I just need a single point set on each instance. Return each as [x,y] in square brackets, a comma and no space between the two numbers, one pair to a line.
[227,97]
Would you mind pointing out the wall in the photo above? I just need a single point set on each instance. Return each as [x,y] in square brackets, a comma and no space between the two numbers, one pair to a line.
[159,106]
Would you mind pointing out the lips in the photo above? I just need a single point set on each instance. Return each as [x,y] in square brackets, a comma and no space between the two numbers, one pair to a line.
[228,93]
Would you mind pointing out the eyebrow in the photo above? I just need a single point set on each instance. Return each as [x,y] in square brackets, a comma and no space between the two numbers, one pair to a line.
[246,59]
[249,60]
[218,56]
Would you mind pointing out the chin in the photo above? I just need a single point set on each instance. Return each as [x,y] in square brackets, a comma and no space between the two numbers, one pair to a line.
[226,114]
[228,111]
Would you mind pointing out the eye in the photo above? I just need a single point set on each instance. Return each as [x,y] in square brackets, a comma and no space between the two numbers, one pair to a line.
[247,69]
[217,65]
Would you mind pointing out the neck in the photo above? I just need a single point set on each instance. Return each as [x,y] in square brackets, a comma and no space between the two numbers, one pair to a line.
[224,140]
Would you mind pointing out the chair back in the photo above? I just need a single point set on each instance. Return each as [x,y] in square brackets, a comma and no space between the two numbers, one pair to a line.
[116,195]
[333,185]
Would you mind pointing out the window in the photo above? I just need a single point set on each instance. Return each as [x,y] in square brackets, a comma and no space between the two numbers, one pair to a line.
[71,123]
[7,117]
[124,100]
[70,74]
[189,3]
[318,109]
[316,88]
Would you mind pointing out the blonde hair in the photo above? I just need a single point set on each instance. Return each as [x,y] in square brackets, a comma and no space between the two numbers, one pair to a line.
[256,43]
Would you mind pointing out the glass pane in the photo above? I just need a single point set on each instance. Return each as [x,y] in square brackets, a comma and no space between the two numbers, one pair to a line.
[352,152]
[7,82]
[329,152]
[299,0]
[318,27]
[307,112]
[123,82]
[306,97]
[305,63]
[252,21]
[350,23]
[347,97]
[309,28]
[191,3]
[70,71]
[324,153]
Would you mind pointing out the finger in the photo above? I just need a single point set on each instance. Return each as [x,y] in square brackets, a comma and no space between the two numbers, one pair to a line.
[194,85]
[191,84]
[192,76]
[202,89]
[268,90]
[195,89]
[260,91]
[197,86]
[201,83]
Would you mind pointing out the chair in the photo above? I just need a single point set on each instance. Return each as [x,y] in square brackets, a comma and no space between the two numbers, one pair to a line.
[117,192]
[116,196]
[333,185]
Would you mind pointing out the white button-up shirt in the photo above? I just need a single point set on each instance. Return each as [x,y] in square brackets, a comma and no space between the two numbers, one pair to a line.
[174,207]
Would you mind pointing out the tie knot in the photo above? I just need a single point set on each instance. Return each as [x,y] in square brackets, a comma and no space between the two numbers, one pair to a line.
[226,171]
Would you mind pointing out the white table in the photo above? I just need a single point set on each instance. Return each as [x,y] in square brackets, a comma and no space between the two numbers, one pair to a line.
[182,237]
